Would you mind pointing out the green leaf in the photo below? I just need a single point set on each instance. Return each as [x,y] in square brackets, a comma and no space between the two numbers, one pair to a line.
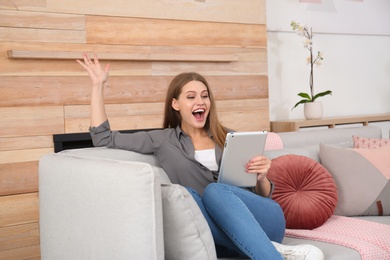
[328,92]
[300,102]
[305,95]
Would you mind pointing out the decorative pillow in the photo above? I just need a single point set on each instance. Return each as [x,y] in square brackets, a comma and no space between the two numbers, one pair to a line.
[304,189]
[362,178]
[273,142]
[186,232]
[362,142]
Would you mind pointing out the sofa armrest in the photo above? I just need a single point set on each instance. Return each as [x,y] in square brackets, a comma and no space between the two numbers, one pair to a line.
[93,208]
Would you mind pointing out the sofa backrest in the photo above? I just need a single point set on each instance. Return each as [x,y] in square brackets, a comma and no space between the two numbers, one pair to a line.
[308,142]
[115,154]
[328,136]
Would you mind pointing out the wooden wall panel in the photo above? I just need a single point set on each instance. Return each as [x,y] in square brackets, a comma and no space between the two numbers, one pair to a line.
[18,178]
[237,68]
[76,125]
[23,4]
[27,121]
[41,35]
[19,236]
[102,30]
[47,91]
[243,120]
[42,20]
[25,142]
[23,155]
[248,11]
[27,252]
[43,91]
[113,110]
[19,209]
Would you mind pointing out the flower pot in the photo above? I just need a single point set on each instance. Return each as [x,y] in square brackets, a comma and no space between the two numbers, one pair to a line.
[313,110]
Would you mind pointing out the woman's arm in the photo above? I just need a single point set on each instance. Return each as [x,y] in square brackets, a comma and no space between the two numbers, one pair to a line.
[98,77]
[260,165]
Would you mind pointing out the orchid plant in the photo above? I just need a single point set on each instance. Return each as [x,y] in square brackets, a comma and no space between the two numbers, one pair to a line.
[312,59]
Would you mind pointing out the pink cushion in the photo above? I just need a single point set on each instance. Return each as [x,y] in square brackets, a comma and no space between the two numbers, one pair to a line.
[273,142]
[304,189]
[361,142]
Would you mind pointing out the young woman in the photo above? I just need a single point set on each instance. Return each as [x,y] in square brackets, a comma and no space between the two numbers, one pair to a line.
[243,222]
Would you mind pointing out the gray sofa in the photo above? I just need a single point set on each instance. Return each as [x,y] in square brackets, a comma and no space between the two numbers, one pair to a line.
[100,203]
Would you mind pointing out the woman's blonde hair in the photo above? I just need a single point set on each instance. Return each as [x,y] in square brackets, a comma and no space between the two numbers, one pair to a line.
[172,117]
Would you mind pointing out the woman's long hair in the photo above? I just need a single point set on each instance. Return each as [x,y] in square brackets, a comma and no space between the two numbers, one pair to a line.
[172,117]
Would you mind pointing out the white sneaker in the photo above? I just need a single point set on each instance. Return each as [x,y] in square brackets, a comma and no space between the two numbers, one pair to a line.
[299,252]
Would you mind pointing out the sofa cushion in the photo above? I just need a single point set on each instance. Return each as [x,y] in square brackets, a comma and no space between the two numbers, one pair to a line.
[273,142]
[304,189]
[186,232]
[93,208]
[362,142]
[362,178]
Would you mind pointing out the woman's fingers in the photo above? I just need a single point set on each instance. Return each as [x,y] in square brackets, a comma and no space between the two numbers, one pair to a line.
[259,164]
[92,66]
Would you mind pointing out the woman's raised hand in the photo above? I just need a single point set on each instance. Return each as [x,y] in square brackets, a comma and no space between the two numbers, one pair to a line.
[98,76]
[96,72]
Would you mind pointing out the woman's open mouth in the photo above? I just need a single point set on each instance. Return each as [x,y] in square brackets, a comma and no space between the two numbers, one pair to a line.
[199,114]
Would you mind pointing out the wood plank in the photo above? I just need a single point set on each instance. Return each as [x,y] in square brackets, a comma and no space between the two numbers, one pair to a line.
[18,178]
[242,104]
[118,68]
[174,33]
[47,91]
[249,11]
[19,236]
[25,142]
[54,68]
[41,20]
[245,120]
[112,110]
[161,49]
[55,55]
[19,209]
[244,115]
[23,155]
[235,68]
[76,125]
[26,253]
[23,4]
[30,121]
[41,35]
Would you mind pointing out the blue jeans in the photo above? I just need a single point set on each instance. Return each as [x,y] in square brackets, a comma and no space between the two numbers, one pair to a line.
[242,223]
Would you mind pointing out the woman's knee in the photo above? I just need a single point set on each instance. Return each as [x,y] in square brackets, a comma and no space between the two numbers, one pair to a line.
[214,190]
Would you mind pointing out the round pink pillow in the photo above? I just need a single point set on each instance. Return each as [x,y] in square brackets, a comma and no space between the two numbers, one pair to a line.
[304,189]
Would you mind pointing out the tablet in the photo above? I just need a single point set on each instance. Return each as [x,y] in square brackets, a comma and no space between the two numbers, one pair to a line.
[240,148]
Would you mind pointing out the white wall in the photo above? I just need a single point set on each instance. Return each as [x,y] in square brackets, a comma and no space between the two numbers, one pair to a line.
[354,36]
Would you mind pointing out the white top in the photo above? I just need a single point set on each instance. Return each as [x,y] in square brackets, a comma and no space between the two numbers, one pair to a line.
[207,158]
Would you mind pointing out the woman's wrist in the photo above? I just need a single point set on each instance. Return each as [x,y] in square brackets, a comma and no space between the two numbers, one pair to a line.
[263,187]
